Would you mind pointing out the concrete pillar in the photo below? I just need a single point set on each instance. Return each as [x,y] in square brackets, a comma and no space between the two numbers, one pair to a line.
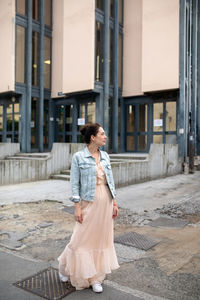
[4,123]
[115,92]
[198,80]
[182,124]
[41,78]
[106,68]
[28,75]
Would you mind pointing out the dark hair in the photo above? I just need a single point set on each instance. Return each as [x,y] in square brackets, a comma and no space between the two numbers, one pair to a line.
[88,130]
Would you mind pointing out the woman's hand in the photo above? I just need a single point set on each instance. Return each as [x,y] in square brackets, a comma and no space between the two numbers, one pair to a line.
[78,213]
[115,210]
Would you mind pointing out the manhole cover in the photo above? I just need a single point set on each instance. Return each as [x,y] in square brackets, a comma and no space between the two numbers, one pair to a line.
[168,222]
[69,209]
[46,284]
[136,240]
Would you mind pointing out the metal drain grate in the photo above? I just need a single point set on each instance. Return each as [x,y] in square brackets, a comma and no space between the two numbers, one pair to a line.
[168,222]
[136,240]
[46,284]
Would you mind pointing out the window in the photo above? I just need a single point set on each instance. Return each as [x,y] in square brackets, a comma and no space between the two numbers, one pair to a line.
[47,62]
[120,62]
[111,56]
[91,112]
[100,4]
[47,12]
[21,7]
[171,116]
[99,51]
[35,10]
[112,8]
[121,11]
[20,54]
[35,58]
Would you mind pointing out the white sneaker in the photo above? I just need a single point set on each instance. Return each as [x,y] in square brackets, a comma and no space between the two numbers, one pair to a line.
[62,277]
[97,287]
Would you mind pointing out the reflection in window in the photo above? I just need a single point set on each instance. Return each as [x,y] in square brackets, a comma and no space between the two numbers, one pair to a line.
[143,117]
[35,10]
[21,7]
[171,139]
[157,139]
[100,4]
[171,116]
[99,51]
[158,117]
[35,58]
[142,142]
[112,8]
[111,56]
[47,12]
[130,143]
[91,110]
[47,62]
[20,54]
[68,117]
[120,61]
[120,11]
[131,118]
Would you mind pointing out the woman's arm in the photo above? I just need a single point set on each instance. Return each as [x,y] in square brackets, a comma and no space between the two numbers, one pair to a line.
[75,179]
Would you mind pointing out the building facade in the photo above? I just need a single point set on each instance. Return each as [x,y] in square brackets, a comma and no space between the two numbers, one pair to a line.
[131,65]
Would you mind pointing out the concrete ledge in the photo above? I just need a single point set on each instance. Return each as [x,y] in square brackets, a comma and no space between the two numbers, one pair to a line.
[161,161]
[8,149]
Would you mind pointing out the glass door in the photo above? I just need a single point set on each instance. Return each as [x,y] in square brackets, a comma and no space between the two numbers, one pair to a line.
[137,127]
[63,132]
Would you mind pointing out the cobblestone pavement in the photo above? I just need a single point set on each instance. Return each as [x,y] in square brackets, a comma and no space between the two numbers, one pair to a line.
[36,223]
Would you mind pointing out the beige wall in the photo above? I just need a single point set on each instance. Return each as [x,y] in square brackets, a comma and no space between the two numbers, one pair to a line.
[7,42]
[73,46]
[132,60]
[160,45]
[151,46]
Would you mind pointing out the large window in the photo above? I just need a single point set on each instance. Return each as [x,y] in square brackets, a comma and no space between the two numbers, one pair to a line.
[21,7]
[164,122]
[111,55]
[100,4]
[120,61]
[47,62]
[47,12]
[35,10]
[20,54]
[99,51]
[35,58]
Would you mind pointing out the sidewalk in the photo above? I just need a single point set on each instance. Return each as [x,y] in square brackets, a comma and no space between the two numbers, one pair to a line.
[138,197]
[171,270]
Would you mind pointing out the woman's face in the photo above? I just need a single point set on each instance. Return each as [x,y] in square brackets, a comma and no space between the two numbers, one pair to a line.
[100,138]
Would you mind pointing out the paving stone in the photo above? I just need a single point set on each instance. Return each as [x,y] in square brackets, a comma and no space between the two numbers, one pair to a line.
[16,216]
[45,224]
[1,217]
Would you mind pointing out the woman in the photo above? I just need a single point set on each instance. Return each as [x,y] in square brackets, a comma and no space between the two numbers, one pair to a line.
[90,254]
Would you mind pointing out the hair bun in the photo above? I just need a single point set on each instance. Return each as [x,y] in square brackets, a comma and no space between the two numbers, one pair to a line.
[83,130]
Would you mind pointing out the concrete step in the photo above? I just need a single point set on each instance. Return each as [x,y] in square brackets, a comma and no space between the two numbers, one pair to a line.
[61,177]
[128,156]
[25,158]
[35,155]
[65,172]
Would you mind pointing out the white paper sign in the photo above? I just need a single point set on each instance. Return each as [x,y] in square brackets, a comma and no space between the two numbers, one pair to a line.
[32,124]
[158,122]
[81,121]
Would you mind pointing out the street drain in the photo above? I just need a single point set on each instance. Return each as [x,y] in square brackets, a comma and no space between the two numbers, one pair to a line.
[136,240]
[46,284]
[168,222]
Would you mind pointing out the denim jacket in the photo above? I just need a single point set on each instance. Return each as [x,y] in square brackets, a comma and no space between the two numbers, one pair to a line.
[83,175]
